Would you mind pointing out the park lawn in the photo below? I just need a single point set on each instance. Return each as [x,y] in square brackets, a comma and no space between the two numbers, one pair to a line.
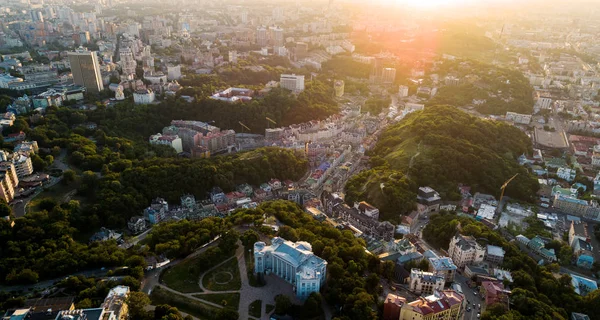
[58,192]
[269,308]
[193,307]
[232,300]
[224,278]
[183,277]
[255,309]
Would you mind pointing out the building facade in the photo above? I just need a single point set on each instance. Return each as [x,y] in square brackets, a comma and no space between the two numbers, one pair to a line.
[292,82]
[442,305]
[465,250]
[293,262]
[425,283]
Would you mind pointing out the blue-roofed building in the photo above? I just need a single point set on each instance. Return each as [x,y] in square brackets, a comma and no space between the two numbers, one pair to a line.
[292,261]
[582,285]
[579,316]
[537,245]
[583,251]
[411,256]
[443,267]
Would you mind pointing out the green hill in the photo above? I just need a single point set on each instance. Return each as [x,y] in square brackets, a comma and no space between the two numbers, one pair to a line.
[441,147]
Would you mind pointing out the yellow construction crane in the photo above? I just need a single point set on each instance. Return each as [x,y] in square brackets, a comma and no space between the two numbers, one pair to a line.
[306,147]
[270,120]
[504,187]
[244,126]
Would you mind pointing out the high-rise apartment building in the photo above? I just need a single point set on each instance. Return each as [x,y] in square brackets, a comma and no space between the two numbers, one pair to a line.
[127,62]
[86,70]
[277,39]
[8,181]
[388,75]
[262,38]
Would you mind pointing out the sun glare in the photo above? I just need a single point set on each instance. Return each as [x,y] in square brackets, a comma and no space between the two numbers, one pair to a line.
[428,4]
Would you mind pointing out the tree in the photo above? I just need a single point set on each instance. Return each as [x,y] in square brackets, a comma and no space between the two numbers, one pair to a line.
[249,237]
[282,304]
[228,241]
[68,176]
[288,233]
[38,163]
[165,311]
[49,160]
[137,302]
[5,209]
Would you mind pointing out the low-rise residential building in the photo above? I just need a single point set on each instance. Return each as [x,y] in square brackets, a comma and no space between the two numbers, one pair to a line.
[425,283]
[579,316]
[173,141]
[570,205]
[234,95]
[430,198]
[537,245]
[392,306]
[105,234]
[567,174]
[115,302]
[493,292]
[582,285]
[157,211]
[442,266]
[494,254]
[292,261]
[442,305]
[518,118]
[144,96]
[578,230]
[583,253]
[474,271]
[136,224]
[465,250]
[28,148]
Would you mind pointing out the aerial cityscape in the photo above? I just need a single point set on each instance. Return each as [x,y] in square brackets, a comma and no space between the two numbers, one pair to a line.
[308,159]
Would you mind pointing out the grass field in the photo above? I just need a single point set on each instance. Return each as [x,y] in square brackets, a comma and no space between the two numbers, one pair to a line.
[255,308]
[232,300]
[195,308]
[269,308]
[183,277]
[226,277]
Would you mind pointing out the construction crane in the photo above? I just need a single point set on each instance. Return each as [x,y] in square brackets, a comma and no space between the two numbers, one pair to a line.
[504,187]
[306,148]
[270,120]
[244,127]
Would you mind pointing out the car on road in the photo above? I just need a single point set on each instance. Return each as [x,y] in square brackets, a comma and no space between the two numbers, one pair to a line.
[478,315]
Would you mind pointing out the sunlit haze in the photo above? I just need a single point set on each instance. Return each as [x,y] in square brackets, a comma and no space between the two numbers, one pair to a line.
[299,159]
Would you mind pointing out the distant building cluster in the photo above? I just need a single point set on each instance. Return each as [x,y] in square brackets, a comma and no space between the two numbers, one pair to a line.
[114,307]
[197,139]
